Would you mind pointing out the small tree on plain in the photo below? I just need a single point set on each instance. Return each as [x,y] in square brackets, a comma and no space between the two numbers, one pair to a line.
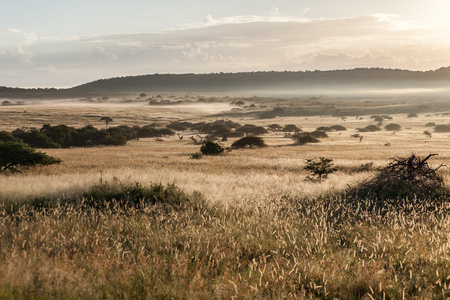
[14,155]
[393,127]
[107,120]
[250,141]
[319,170]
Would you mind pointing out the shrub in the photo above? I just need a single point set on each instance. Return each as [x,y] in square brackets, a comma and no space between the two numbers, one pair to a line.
[211,148]
[338,128]
[249,141]
[14,156]
[370,128]
[319,134]
[319,170]
[430,124]
[7,137]
[412,115]
[380,118]
[291,128]
[331,128]
[274,127]
[135,194]
[442,128]
[404,177]
[197,155]
[304,138]
[393,127]
[278,111]
[251,129]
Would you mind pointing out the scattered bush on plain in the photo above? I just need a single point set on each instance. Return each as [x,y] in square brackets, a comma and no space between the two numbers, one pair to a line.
[250,141]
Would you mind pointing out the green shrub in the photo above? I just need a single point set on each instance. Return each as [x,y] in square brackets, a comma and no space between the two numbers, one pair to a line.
[249,141]
[304,138]
[319,134]
[7,137]
[369,128]
[197,155]
[135,194]
[15,156]
[319,170]
[442,128]
[211,148]
[251,129]
[291,128]
[393,127]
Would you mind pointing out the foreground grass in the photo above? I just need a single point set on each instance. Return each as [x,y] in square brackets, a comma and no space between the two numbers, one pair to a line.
[283,247]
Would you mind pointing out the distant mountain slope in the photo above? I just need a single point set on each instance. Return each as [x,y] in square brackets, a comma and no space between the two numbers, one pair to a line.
[369,77]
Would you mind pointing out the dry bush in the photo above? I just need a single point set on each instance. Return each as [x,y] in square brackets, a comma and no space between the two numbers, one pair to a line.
[404,177]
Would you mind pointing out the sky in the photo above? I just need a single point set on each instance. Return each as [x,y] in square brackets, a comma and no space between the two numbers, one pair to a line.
[64,43]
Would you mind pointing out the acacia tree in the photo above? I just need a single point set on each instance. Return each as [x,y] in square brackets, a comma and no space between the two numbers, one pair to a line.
[14,155]
[107,120]
[319,170]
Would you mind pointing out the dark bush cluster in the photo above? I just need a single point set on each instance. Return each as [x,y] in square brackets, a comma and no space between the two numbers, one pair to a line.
[393,127]
[380,118]
[276,112]
[304,138]
[62,136]
[370,128]
[331,128]
[217,128]
[291,128]
[442,128]
[211,148]
[250,141]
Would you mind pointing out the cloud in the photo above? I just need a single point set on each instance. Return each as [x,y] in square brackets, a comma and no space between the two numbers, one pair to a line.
[101,55]
[236,43]
[17,52]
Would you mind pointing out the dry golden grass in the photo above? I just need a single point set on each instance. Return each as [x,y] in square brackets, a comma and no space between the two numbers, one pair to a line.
[263,232]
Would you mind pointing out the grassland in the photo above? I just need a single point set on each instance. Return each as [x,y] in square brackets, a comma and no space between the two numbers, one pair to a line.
[258,230]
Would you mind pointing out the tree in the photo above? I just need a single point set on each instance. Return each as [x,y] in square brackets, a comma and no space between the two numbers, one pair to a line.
[14,155]
[291,128]
[393,127]
[319,170]
[107,120]
[304,138]
[250,141]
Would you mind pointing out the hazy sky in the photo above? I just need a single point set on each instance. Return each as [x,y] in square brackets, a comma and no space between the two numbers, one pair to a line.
[63,43]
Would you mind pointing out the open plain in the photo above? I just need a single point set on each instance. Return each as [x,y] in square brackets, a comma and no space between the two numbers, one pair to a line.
[253,228]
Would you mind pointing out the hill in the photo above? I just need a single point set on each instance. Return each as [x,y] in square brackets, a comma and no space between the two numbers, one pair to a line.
[218,82]
[245,81]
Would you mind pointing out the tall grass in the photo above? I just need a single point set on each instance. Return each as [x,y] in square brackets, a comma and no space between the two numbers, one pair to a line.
[283,247]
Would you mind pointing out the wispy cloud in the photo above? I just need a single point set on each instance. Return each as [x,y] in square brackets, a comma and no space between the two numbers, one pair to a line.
[237,43]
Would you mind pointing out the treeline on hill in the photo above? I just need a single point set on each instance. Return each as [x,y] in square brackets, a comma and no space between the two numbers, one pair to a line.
[251,80]
[62,136]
